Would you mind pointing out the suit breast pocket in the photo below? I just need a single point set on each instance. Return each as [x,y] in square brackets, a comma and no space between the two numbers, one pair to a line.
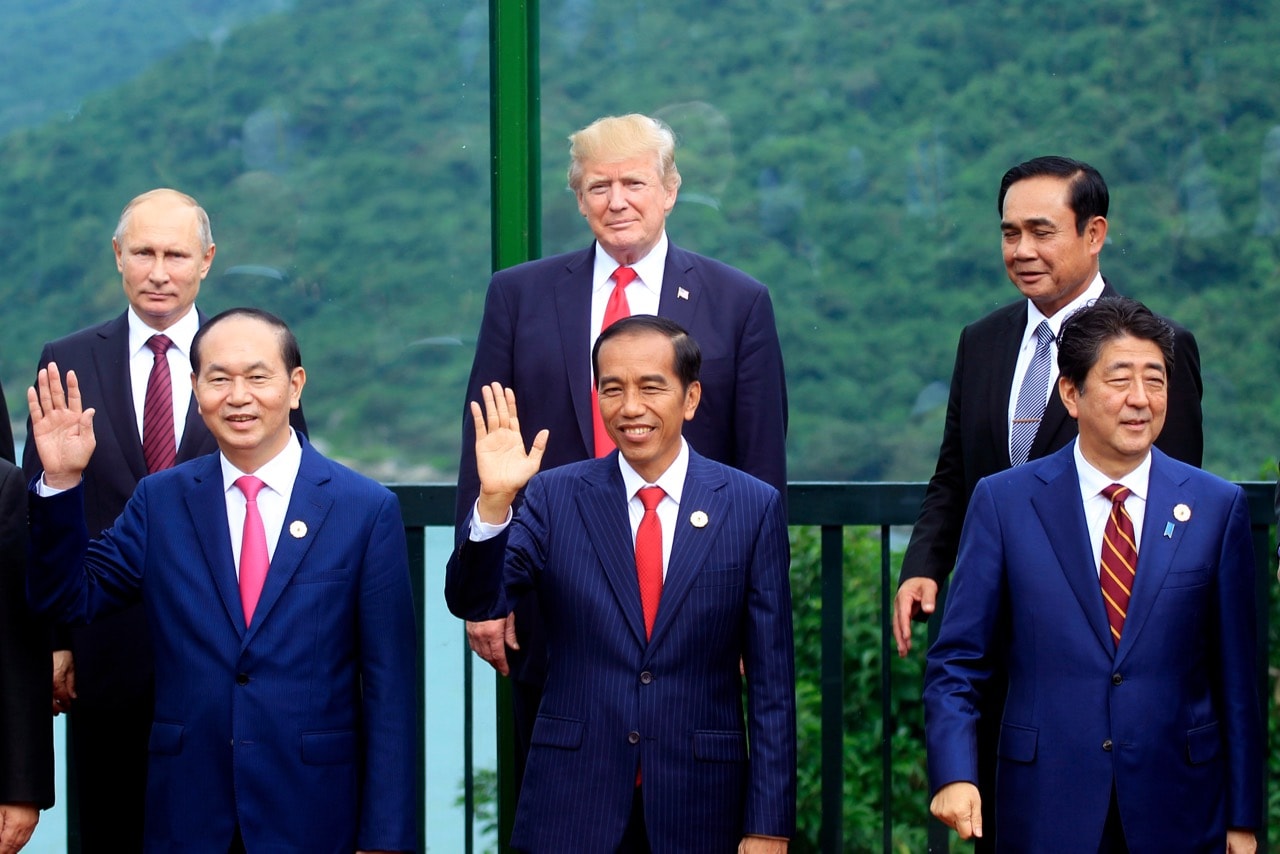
[1188,577]
[708,577]
[322,576]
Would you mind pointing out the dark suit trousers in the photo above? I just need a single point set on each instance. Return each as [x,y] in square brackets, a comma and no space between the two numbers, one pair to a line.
[108,773]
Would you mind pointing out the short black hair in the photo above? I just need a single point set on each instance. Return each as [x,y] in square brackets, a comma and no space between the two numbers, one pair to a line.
[688,356]
[288,342]
[1088,194]
[1088,329]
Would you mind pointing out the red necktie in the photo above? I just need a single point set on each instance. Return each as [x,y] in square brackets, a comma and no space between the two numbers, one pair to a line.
[253,548]
[158,445]
[1119,559]
[649,555]
[616,309]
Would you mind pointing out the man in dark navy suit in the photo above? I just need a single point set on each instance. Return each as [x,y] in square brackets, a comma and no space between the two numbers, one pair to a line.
[658,571]
[541,318]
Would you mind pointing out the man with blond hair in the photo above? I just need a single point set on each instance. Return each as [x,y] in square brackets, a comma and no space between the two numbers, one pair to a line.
[541,319]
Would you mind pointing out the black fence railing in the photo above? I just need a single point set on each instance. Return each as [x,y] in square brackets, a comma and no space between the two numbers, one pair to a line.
[832,507]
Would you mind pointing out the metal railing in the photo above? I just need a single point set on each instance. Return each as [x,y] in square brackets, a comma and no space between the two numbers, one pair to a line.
[832,507]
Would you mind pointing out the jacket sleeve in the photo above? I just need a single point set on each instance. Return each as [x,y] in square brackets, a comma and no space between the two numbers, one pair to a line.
[389,800]
[760,399]
[931,552]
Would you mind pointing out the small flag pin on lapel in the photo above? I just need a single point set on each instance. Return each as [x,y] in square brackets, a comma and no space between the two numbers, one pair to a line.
[681,293]
[298,529]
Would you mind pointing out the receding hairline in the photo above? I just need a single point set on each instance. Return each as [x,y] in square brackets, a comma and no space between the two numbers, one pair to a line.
[204,230]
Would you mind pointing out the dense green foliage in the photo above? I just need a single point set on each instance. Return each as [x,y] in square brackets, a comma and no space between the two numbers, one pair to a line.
[846,153]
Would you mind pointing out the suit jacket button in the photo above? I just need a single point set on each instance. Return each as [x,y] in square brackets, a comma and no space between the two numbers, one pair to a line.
[646,677]
[1116,678]
[1106,745]
[633,737]
[242,678]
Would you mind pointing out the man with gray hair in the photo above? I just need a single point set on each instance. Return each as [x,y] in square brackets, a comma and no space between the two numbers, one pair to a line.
[541,319]
[134,371]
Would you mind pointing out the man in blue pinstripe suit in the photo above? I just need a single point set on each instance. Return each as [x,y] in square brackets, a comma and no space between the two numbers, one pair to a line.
[640,742]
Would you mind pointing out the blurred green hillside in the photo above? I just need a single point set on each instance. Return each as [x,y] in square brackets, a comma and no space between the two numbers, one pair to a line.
[844,152]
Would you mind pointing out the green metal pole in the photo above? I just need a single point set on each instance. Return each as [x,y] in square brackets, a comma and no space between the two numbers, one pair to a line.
[514,131]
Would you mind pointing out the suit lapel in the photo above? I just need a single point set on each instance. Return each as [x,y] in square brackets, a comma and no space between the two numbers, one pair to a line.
[111,362]
[1156,554]
[310,505]
[602,502]
[690,545]
[573,309]
[207,504]
[1061,515]
[681,288]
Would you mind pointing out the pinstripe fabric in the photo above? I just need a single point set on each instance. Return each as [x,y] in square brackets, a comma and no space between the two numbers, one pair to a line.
[674,703]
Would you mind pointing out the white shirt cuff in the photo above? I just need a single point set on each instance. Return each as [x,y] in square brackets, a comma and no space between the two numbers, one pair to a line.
[481,531]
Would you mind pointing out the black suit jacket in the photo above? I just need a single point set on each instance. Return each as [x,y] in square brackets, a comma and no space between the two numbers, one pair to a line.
[113,655]
[975,440]
[26,725]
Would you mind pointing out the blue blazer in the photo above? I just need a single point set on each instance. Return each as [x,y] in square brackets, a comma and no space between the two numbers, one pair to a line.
[301,729]
[113,657]
[672,705]
[1171,717]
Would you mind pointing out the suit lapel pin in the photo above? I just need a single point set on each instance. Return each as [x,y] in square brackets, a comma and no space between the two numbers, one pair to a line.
[1182,512]
[681,293]
[1168,530]
[698,519]
[298,529]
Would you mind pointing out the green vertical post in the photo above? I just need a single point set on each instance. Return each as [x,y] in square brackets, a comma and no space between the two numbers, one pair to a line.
[514,133]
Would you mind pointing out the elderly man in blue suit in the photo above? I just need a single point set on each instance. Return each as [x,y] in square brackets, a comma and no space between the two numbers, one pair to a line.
[658,571]
[276,587]
[1124,584]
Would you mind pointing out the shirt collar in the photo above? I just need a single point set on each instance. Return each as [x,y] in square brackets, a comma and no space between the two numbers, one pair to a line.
[1035,315]
[278,473]
[648,269]
[1092,481]
[180,333]
[671,480]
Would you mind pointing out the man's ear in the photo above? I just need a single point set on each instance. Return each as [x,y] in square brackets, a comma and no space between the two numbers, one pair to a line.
[1070,396]
[692,396]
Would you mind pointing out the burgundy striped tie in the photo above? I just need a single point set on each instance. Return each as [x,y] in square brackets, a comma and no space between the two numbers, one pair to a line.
[1119,559]
[158,444]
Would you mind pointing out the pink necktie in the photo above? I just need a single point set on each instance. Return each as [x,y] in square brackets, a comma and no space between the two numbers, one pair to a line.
[616,309]
[649,555]
[158,445]
[253,548]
